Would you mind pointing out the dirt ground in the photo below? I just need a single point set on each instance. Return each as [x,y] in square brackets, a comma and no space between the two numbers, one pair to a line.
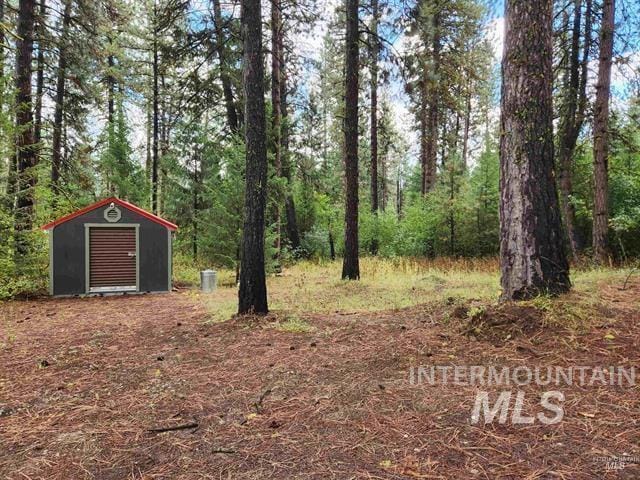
[87,385]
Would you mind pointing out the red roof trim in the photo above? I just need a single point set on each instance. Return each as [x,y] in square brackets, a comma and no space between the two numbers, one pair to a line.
[106,201]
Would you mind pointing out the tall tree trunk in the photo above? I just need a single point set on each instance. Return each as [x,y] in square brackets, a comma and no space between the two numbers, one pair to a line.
[424,129]
[467,127]
[431,125]
[276,107]
[290,208]
[384,188]
[351,263]
[11,160]
[111,87]
[37,129]
[532,256]
[332,245]
[156,114]
[571,119]
[232,115]
[252,296]
[25,147]
[149,141]
[601,136]
[399,196]
[196,207]
[56,154]
[373,58]
[11,164]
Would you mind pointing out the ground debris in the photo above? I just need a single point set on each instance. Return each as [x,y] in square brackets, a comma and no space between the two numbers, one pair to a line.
[261,411]
[500,323]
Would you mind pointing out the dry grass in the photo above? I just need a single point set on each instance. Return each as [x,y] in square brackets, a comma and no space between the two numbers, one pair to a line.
[388,284]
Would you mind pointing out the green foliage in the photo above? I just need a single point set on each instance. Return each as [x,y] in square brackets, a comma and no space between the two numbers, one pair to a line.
[121,176]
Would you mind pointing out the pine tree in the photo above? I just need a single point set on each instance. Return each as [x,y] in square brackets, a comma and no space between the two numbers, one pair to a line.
[601,136]
[532,257]
[25,143]
[351,264]
[253,289]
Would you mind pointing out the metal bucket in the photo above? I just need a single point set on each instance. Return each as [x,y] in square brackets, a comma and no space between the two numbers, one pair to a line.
[208,281]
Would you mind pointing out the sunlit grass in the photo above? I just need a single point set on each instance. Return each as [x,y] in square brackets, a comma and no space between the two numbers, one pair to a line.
[293,324]
[312,287]
[385,284]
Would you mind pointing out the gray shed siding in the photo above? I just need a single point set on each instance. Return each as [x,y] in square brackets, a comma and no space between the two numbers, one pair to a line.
[68,252]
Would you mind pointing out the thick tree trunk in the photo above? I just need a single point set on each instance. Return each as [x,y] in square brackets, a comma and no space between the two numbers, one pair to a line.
[601,136]
[232,115]
[25,145]
[532,257]
[253,289]
[56,155]
[351,263]
[37,127]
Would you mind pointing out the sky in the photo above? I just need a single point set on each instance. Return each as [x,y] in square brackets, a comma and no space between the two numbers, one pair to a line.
[308,44]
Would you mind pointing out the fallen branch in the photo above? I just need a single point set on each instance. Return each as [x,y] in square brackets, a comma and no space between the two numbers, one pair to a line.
[184,426]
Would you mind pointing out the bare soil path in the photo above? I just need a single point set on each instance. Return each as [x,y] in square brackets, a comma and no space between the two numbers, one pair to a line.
[87,387]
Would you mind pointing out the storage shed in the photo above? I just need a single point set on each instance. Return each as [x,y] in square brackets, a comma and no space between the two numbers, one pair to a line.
[110,246]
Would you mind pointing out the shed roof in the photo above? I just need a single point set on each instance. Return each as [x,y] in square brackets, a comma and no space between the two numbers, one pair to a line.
[107,201]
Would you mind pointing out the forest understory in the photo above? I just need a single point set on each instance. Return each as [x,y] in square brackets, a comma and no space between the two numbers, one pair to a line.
[157,386]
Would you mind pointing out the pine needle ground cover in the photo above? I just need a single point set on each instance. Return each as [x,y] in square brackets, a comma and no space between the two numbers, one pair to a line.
[154,387]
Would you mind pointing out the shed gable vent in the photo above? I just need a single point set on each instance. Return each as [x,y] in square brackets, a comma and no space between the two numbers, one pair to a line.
[112,214]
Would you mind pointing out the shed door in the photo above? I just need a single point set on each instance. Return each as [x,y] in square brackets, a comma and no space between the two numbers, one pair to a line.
[112,259]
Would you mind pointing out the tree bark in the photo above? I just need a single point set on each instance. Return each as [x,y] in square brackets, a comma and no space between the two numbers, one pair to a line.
[156,114]
[111,86]
[37,129]
[25,145]
[532,256]
[11,161]
[467,127]
[56,155]
[276,107]
[196,207]
[232,115]
[430,123]
[253,289]
[373,58]
[332,245]
[351,263]
[601,136]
